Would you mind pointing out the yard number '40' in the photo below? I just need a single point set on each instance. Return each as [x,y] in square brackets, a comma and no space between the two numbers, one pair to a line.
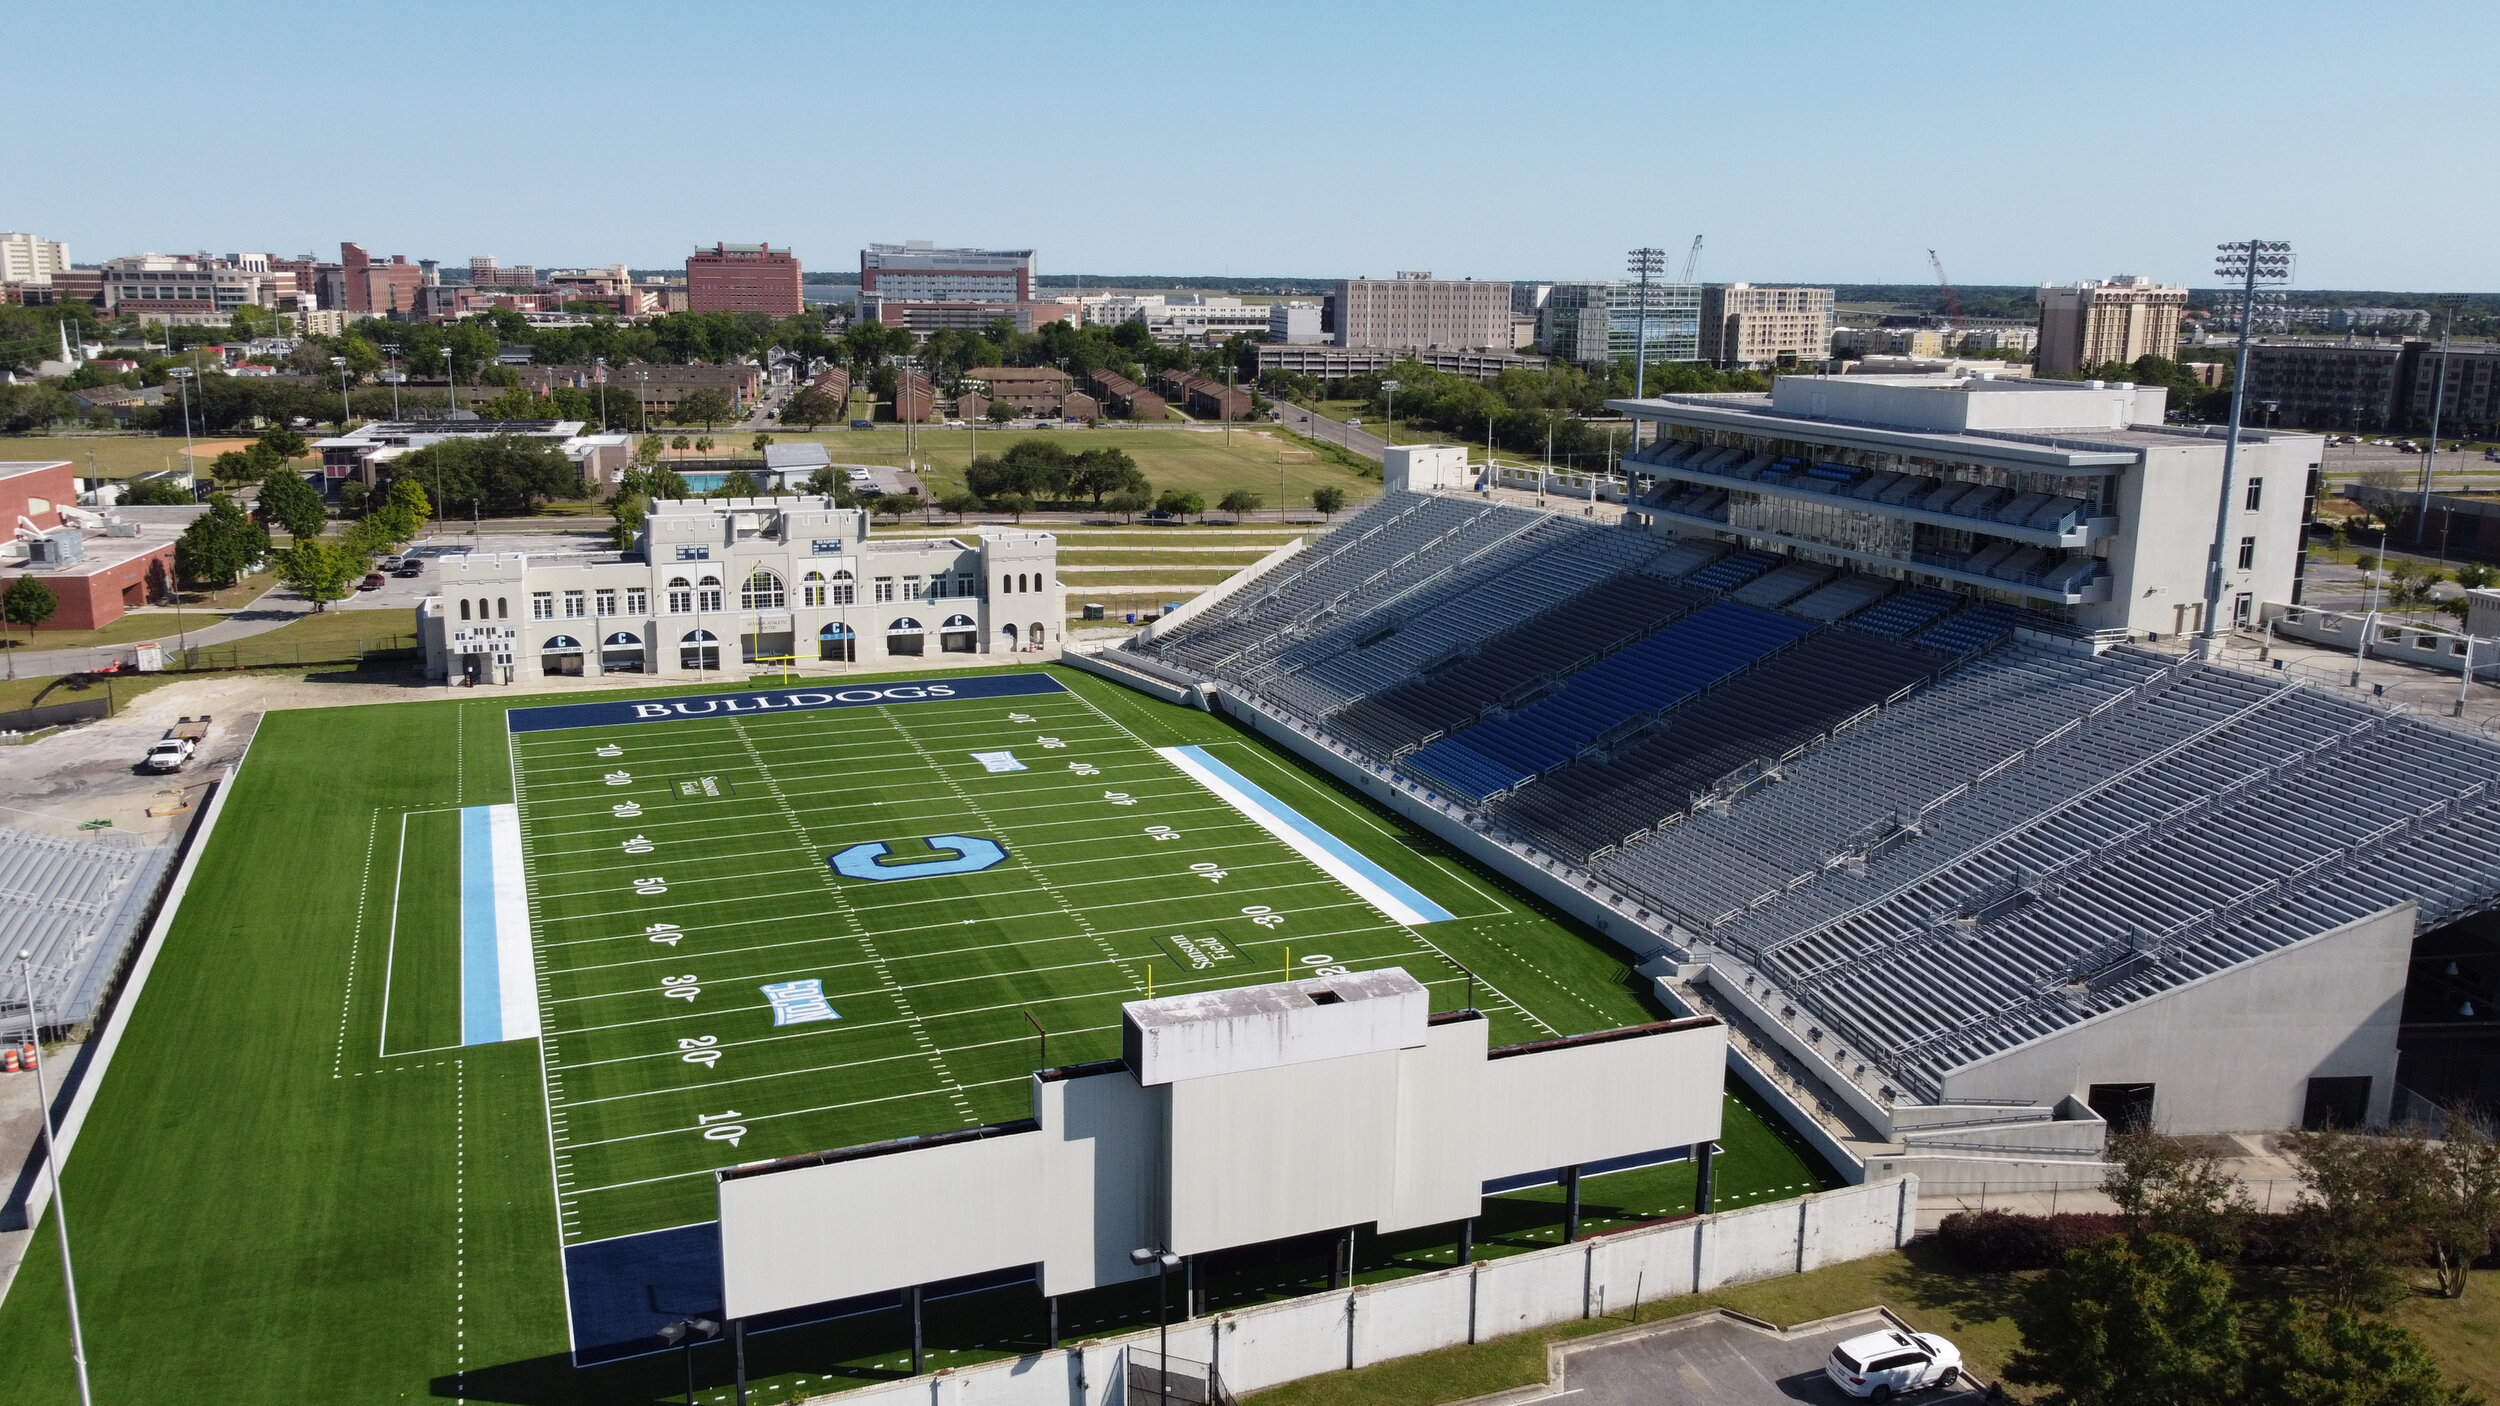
[1208,870]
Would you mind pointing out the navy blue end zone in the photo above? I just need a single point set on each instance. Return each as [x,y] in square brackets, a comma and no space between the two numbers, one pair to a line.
[781,700]
[622,1291]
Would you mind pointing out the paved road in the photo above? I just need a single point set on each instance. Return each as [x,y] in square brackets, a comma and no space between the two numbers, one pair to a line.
[1320,427]
[277,607]
[1711,1360]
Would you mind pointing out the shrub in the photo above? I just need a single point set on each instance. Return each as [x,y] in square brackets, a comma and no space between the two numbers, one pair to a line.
[1988,1242]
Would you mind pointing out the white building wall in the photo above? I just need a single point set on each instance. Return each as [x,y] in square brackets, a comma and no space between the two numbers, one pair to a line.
[2235,1051]
[1268,1153]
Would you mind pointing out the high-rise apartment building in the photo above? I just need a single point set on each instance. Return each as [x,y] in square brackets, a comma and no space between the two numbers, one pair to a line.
[2103,320]
[30,258]
[1418,310]
[1745,325]
[744,278]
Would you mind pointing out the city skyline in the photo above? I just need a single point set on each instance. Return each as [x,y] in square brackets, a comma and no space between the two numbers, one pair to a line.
[1355,140]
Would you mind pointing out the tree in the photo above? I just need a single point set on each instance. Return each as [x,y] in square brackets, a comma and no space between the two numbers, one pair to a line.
[499,473]
[2367,1201]
[1240,503]
[626,513]
[810,407]
[2461,1204]
[1101,472]
[401,511]
[895,505]
[321,569]
[2340,1358]
[681,443]
[220,544]
[649,449]
[2119,1324]
[287,501]
[157,493]
[249,464]
[703,444]
[1128,503]
[1015,504]
[707,407]
[1329,499]
[738,483]
[762,442]
[2165,1188]
[28,602]
[1181,502]
[959,502]
[285,443]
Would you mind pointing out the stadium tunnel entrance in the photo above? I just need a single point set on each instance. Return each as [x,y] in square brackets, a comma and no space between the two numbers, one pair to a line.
[2448,1045]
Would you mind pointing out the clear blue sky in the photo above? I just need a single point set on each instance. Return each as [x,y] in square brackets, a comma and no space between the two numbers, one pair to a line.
[1805,141]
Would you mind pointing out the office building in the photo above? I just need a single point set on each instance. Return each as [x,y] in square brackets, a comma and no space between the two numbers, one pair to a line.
[484,272]
[193,290]
[1334,363]
[1596,324]
[1418,310]
[2107,320]
[2068,499]
[917,271]
[378,287]
[1745,325]
[729,581]
[1296,323]
[1927,342]
[744,278]
[31,259]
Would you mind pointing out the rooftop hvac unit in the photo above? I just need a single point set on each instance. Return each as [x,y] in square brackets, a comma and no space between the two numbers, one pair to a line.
[56,548]
[114,527]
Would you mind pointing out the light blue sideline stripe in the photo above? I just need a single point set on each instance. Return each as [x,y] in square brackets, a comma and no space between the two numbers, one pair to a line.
[1384,890]
[481,988]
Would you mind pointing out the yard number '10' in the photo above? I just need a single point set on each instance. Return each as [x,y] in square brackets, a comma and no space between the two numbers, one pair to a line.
[722,1127]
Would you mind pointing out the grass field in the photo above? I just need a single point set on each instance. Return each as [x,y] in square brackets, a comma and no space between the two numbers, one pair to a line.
[1197,458]
[299,1183]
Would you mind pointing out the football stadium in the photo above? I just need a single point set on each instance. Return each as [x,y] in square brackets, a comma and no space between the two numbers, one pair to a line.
[1478,915]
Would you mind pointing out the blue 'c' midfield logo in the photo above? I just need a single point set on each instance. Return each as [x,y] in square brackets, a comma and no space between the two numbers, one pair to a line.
[952,854]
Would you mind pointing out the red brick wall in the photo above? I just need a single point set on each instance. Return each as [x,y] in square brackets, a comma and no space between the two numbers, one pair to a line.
[725,281]
[55,485]
[91,602]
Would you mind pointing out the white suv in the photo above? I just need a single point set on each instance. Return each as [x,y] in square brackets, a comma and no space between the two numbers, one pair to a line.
[1880,1366]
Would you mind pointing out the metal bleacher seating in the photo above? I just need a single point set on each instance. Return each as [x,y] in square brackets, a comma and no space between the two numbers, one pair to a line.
[1907,613]
[74,905]
[1976,628]
[1782,584]
[1762,714]
[1556,559]
[1510,666]
[1851,593]
[1734,570]
[1659,672]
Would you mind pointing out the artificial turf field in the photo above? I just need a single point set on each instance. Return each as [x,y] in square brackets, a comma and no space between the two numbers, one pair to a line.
[299,1183]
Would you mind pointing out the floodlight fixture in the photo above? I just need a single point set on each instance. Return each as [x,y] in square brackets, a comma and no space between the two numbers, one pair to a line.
[2249,263]
[1645,263]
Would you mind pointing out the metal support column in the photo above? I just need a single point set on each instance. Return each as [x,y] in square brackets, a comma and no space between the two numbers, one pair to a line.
[917,1342]
[738,1351]
[1467,1241]
[1571,1204]
[1701,1179]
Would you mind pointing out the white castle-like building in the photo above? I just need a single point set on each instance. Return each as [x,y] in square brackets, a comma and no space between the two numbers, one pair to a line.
[727,582]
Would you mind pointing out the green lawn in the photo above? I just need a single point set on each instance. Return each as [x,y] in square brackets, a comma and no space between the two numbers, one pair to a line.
[143,626]
[279,1199]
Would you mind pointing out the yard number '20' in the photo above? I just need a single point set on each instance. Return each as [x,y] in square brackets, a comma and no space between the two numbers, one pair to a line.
[700,1049]
[1321,964]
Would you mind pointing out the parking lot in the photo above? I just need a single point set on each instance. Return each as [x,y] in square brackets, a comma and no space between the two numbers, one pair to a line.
[1712,1359]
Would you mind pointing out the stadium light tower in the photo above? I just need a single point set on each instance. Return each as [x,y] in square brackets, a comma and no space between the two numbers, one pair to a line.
[1645,264]
[52,1168]
[2252,264]
[1164,1262]
[685,1333]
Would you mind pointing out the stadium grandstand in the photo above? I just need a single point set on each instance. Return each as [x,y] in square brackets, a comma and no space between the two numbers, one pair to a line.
[1983,879]
[72,905]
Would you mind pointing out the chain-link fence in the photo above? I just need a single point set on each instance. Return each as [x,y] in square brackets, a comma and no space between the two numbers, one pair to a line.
[274,650]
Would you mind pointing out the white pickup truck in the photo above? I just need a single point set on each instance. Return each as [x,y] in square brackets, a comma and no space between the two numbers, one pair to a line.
[181,742]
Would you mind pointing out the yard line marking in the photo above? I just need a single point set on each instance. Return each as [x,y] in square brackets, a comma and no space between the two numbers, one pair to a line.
[382,1046]
[355,944]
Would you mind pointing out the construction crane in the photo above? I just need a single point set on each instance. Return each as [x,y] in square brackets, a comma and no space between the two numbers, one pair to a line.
[1952,300]
[1691,259]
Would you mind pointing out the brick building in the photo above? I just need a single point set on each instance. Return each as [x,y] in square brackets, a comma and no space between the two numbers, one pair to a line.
[97,568]
[1032,390]
[744,278]
[1125,398]
[1206,399]
[915,400]
[377,287]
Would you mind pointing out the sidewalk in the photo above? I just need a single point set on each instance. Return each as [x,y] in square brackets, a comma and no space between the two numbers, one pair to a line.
[274,608]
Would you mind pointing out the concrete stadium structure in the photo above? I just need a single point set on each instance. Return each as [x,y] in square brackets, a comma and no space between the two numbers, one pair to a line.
[1234,1118]
[723,582]
[1974,883]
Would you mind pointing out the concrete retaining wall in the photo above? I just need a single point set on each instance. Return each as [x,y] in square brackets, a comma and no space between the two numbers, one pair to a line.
[1224,590]
[1261,1347]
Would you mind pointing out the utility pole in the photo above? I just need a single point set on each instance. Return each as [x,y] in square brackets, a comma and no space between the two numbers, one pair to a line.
[52,1168]
[2248,262]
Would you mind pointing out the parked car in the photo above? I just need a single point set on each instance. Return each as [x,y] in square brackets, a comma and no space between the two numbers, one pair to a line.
[408,569]
[863,424]
[393,563]
[372,582]
[1881,1366]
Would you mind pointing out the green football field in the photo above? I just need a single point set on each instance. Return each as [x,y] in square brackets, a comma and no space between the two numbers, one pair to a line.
[300,1183]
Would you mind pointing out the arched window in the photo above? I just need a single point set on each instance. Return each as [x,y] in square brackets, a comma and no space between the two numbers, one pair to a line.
[622,639]
[561,644]
[680,596]
[708,594]
[464,608]
[503,609]
[763,591]
[1007,585]
[1023,584]
[842,582]
[903,625]
[958,622]
[812,589]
